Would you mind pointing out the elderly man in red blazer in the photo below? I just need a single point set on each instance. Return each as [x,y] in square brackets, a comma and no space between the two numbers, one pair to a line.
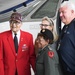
[16,61]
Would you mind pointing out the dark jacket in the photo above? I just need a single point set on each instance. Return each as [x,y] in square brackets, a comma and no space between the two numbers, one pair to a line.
[66,50]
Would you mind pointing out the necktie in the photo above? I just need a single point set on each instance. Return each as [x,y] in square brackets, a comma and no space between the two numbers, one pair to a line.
[16,47]
[16,42]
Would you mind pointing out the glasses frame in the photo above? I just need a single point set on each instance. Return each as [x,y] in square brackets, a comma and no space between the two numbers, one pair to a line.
[45,25]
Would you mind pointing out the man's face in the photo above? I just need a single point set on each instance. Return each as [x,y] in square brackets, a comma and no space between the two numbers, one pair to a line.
[45,25]
[65,14]
[15,25]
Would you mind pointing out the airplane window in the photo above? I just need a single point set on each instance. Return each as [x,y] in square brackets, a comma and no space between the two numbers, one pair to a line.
[49,9]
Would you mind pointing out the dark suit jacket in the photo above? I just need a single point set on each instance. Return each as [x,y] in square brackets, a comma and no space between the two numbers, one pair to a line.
[10,60]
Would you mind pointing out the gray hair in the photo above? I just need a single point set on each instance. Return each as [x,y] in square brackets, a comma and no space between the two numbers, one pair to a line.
[49,20]
[69,4]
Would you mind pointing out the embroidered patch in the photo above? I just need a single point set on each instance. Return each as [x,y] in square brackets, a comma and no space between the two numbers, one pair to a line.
[24,47]
[50,54]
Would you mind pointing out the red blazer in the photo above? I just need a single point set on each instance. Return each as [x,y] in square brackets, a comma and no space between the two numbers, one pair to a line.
[23,60]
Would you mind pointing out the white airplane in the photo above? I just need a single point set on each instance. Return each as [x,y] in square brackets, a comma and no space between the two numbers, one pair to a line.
[32,11]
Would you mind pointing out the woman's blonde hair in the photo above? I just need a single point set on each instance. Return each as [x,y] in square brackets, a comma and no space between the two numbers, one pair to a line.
[52,25]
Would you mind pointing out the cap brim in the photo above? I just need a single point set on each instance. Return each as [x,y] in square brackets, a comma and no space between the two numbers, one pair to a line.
[15,20]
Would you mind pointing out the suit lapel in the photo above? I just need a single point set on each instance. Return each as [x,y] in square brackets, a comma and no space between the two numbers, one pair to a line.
[11,42]
[20,43]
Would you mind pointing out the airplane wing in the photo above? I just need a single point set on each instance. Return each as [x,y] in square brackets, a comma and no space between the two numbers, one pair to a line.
[9,6]
[31,10]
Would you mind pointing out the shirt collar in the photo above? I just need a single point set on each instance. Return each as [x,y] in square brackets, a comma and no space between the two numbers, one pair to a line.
[18,33]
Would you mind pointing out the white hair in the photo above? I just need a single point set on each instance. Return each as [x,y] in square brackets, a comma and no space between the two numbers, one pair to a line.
[69,4]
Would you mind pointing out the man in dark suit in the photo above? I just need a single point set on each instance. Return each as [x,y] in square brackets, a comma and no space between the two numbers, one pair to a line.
[16,61]
[66,46]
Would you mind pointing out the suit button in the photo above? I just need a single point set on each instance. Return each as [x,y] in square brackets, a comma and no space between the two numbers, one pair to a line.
[16,54]
[16,60]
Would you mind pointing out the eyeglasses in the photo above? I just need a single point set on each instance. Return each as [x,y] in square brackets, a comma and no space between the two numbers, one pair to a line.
[15,22]
[45,25]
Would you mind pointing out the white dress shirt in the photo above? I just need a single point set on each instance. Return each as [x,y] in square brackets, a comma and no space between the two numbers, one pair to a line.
[18,35]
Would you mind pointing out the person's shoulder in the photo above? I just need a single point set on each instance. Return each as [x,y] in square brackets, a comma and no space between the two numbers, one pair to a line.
[26,33]
[72,24]
[73,21]
[4,33]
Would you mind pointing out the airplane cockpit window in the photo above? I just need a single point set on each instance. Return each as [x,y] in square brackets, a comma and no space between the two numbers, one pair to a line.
[42,8]
[49,9]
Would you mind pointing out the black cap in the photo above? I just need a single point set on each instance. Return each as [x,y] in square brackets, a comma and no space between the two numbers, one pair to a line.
[47,33]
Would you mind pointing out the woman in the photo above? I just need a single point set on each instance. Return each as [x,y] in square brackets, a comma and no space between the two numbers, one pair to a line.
[47,23]
[47,62]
